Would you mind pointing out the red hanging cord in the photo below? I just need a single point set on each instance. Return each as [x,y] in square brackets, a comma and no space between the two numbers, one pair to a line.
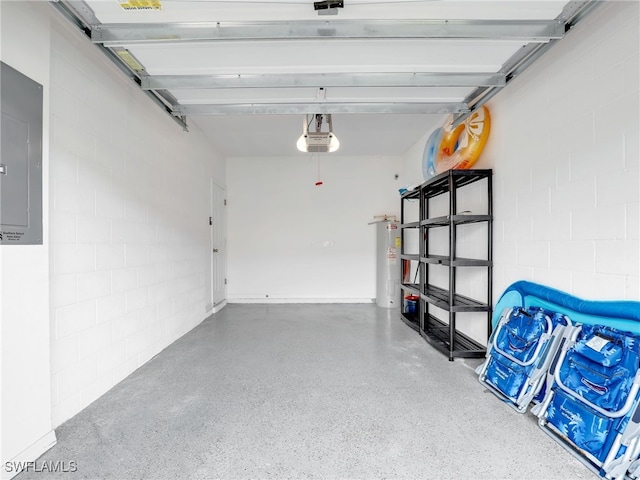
[319,182]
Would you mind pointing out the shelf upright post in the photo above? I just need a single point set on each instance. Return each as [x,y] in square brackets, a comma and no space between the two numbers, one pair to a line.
[490,252]
[452,269]
[424,251]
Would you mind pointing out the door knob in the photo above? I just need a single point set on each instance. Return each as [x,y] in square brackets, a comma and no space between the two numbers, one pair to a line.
[215,250]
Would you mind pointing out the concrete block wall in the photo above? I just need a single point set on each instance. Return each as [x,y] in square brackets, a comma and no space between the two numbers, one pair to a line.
[130,201]
[564,149]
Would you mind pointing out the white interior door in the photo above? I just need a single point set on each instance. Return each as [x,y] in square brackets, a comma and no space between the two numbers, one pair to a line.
[218,227]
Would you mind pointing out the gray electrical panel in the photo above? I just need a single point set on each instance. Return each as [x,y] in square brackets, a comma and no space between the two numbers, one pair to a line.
[20,159]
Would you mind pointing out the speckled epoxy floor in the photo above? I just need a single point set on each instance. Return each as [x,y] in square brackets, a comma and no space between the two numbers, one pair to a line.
[304,391]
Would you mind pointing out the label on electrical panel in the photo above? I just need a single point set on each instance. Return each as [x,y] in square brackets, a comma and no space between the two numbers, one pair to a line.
[392,226]
[141,5]
[8,237]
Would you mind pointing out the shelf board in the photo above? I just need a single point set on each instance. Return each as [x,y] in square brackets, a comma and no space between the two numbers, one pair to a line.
[411,319]
[410,194]
[410,256]
[446,220]
[456,262]
[415,224]
[413,288]
[440,298]
[436,332]
[440,183]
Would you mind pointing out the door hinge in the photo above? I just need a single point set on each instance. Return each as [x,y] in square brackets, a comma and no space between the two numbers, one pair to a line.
[210,220]
[225,201]
[225,281]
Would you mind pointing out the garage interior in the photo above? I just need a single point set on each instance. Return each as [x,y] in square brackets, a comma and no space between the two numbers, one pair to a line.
[209,287]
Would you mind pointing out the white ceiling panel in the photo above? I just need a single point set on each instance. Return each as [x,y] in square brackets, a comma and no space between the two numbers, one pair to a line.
[373,94]
[244,95]
[347,94]
[109,11]
[335,56]
[246,72]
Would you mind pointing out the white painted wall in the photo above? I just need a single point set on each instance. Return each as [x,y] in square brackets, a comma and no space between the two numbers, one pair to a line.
[25,413]
[565,152]
[292,241]
[130,203]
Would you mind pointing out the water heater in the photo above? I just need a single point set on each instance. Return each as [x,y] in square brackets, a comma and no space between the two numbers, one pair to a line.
[387,263]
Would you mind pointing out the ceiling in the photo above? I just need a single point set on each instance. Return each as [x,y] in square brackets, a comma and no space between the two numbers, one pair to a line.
[248,71]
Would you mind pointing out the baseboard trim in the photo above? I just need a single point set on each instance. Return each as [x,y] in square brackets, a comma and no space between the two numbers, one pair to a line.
[219,306]
[29,455]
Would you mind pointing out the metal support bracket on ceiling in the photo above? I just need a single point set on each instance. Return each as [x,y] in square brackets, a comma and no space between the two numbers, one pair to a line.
[539,31]
[415,79]
[320,107]
[83,17]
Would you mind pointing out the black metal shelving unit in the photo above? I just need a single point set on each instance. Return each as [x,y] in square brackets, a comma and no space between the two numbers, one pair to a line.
[440,330]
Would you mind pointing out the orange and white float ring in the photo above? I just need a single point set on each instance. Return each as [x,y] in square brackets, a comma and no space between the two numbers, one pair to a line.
[460,147]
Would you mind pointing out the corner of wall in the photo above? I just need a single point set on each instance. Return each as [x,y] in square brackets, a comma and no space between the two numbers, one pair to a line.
[25,407]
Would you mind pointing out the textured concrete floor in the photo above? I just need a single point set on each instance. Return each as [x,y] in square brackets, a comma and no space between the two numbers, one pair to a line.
[305,391]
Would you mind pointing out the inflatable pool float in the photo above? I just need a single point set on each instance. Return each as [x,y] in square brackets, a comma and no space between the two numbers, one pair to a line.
[429,154]
[461,146]
[621,314]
